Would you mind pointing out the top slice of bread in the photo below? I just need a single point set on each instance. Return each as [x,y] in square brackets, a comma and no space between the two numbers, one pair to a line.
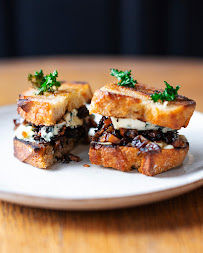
[49,108]
[124,102]
[82,87]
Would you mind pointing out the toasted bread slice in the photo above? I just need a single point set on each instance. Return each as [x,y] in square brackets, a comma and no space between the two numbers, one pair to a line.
[40,155]
[47,109]
[125,158]
[82,87]
[124,102]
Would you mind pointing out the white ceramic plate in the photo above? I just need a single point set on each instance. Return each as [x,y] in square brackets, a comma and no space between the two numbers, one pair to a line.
[72,186]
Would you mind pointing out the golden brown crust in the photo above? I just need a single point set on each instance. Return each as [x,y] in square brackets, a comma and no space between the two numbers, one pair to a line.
[47,109]
[124,158]
[83,87]
[122,102]
[40,155]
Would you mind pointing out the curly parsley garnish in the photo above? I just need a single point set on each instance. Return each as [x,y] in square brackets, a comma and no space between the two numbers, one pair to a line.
[169,94]
[124,77]
[43,83]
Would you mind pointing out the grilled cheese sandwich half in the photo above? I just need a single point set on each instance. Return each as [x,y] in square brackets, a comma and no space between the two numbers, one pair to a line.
[51,124]
[136,132]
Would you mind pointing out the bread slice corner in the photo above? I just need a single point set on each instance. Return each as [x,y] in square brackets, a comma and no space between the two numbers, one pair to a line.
[124,102]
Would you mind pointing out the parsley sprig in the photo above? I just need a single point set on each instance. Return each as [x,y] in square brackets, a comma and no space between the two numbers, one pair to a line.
[43,83]
[124,77]
[169,94]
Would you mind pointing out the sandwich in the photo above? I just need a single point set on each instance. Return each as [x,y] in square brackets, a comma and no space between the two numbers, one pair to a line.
[53,119]
[139,126]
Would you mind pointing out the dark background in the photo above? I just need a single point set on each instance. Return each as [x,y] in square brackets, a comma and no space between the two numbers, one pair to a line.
[138,27]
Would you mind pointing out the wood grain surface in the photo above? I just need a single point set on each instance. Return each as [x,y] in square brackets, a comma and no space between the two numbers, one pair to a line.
[174,225]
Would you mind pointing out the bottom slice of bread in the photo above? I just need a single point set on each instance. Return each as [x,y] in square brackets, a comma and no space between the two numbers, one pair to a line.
[41,155]
[125,158]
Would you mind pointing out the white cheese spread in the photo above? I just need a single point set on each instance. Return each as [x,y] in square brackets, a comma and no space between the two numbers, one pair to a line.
[162,144]
[105,143]
[72,120]
[47,135]
[136,124]
[26,131]
[169,147]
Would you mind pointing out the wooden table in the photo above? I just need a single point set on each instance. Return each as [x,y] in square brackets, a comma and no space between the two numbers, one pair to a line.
[174,225]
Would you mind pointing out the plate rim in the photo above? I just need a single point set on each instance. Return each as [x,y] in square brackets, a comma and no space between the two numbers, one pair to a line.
[94,203]
[97,203]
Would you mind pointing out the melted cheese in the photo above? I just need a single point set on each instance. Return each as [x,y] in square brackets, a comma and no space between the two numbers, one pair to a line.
[24,132]
[105,143]
[136,124]
[70,119]
[169,147]
[162,144]
[54,131]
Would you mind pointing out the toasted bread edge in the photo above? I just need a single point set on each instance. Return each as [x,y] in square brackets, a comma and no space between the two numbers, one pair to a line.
[122,106]
[124,158]
[39,155]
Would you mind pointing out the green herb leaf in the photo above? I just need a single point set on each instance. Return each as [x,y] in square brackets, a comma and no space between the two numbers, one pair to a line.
[124,77]
[169,94]
[37,79]
[43,83]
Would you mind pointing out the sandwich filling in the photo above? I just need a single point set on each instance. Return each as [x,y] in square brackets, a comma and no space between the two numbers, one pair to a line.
[135,133]
[74,124]
[136,124]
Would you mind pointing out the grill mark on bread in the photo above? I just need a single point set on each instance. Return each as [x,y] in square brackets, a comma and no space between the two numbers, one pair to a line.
[45,157]
[146,92]
[35,146]
[119,97]
[119,106]
[138,87]
[123,102]
[25,104]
